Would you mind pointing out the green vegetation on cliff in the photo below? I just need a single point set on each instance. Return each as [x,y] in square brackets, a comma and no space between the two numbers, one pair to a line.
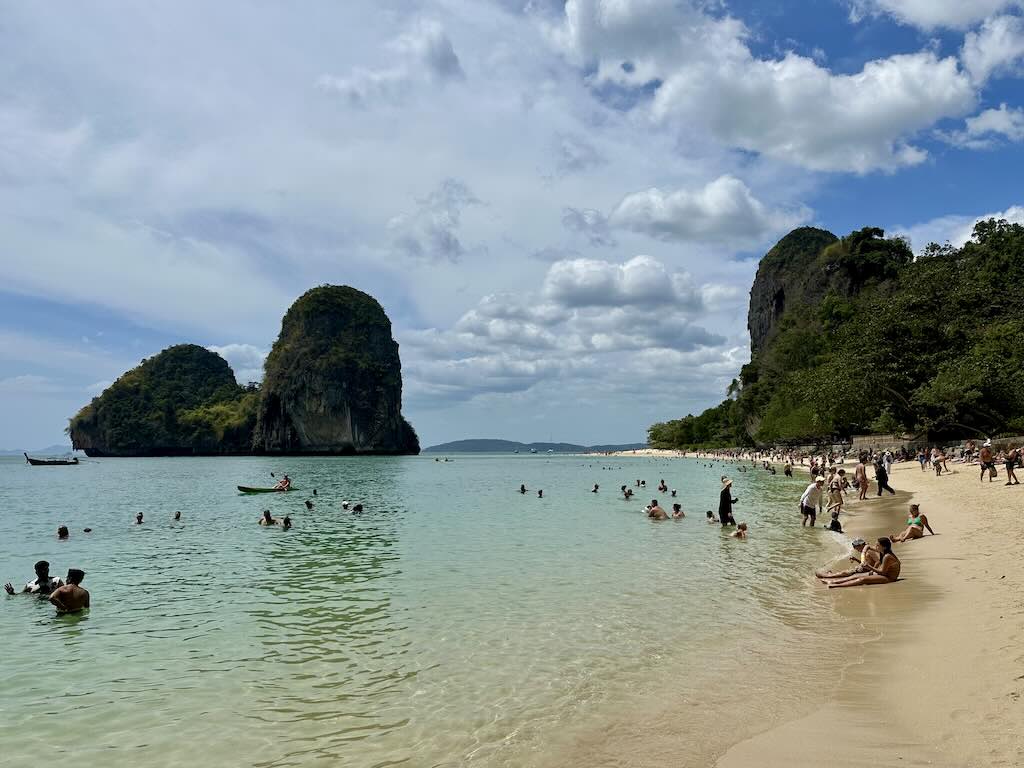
[333,385]
[333,379]
[855,335]
[179,402]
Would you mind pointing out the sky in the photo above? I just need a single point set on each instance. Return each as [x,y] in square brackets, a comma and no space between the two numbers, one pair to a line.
[560,204]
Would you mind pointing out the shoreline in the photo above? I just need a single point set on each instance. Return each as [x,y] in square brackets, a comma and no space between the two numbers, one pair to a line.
[942,684]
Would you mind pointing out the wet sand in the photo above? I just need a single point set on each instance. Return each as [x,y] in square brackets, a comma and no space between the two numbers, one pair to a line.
[942,683]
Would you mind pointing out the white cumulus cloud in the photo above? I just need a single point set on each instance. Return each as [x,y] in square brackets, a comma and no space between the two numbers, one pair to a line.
[725,210]
[997,47]
[954,229]
[930,14]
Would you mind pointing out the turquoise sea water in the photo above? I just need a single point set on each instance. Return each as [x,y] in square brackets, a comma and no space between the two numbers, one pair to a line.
[455,622]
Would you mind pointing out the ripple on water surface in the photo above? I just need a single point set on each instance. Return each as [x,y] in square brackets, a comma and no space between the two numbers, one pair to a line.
[453,623]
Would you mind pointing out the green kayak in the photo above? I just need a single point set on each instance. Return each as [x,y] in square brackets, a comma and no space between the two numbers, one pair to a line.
[247,489]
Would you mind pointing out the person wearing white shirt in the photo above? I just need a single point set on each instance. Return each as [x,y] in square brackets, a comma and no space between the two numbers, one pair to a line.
[810,500]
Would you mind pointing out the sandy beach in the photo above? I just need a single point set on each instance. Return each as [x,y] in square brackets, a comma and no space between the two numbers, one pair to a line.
[942,683]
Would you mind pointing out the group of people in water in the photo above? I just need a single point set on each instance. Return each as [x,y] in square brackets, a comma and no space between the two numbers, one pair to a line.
[67,596]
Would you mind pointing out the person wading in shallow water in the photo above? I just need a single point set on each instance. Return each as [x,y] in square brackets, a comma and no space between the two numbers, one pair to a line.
[43,584]
[725,502]
[71,598]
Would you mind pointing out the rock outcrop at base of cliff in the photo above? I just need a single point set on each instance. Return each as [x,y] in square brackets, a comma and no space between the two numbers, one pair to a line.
[182,402]
[333,380]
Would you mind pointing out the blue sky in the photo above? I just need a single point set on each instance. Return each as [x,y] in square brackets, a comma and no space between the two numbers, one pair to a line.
[559,204]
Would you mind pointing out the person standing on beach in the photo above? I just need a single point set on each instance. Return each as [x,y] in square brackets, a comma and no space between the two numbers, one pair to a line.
[725,502]
[882,478]
[986,461]
[860,474]
[810,500]
[71,598]
[1009,462]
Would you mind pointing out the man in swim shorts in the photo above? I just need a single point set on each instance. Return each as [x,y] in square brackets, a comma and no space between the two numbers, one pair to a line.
[810,500]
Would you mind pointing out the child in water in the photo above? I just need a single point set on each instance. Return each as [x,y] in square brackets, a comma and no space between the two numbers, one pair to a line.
[711,517]
[834,524]
[740,532]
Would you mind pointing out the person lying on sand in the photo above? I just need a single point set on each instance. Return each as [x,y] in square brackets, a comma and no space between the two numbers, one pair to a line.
[267,519]
[862,554]
[886,573]
[916,525]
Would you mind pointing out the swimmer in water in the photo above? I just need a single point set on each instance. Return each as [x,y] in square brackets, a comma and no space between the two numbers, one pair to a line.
[71,598]
[138,519]
[711,517]
[42,585]
[596,486]
[540,494]
[286,523]
[522,488]
[309,504]
[62,532]
[267,519]
[677,511]
[655,512]
[177,515]
[740,532]
[357,508]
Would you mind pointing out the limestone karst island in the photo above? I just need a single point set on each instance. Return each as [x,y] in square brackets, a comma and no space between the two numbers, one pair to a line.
[332,386]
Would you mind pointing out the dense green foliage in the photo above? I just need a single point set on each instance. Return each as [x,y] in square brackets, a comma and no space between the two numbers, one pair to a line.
[181,401]
[333,379]
[928,345]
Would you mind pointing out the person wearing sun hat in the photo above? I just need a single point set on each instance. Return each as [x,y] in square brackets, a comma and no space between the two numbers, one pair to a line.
[725,502]
[862,555]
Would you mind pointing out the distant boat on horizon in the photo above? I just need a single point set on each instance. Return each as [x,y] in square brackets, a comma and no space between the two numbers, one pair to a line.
[50,462]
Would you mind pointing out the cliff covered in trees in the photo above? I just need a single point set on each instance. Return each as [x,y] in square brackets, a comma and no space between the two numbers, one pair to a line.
[855,335]
[183,401]
[333,385]
[333,380]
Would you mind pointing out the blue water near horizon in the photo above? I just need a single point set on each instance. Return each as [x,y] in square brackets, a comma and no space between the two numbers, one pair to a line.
[455,622]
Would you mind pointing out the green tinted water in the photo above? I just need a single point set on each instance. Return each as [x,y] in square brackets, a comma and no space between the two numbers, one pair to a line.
[454,622]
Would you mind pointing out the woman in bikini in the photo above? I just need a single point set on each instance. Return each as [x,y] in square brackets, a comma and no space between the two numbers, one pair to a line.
[916,525]
[887,572]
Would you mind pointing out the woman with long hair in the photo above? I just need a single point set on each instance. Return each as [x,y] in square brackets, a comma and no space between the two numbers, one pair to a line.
[916,525]
[888,569]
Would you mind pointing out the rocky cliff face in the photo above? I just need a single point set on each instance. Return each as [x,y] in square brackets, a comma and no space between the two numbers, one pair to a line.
[183,401]
[786,276]
[333,381]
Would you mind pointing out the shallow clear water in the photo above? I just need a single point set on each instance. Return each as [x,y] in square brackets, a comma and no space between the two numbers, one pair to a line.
[455,622]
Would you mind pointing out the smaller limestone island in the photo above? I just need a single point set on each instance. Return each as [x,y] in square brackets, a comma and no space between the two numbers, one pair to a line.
[332,386]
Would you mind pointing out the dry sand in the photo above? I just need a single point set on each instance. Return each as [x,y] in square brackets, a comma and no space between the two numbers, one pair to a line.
[942,684]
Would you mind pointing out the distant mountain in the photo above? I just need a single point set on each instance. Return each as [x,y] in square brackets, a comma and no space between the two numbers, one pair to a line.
[510,446]
[51,450]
